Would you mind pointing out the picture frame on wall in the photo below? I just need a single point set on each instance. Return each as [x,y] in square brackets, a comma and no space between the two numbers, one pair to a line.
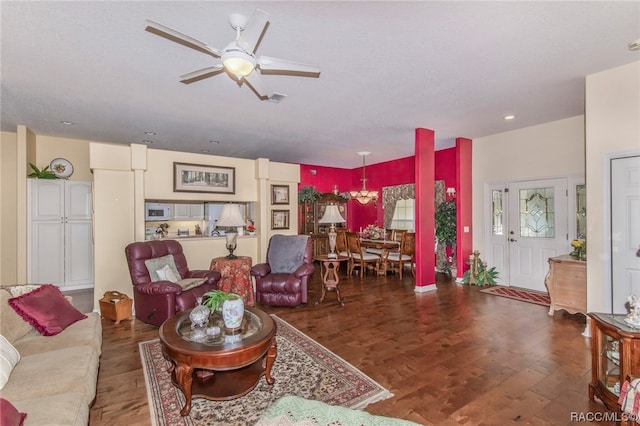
[279,194]
[279,219]
[203,178]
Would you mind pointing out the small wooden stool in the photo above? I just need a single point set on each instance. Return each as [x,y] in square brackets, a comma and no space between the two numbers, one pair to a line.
[116,306]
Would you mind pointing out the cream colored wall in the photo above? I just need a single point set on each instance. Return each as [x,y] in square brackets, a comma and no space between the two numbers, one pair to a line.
[280,174]
[612,130]
[547,150]
[112,230]
[124,176]
[75,151]
[200,251]
[8,208]
[159,176]
[14,153]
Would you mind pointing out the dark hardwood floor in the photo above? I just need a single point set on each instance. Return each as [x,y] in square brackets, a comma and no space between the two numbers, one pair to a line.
[454,356]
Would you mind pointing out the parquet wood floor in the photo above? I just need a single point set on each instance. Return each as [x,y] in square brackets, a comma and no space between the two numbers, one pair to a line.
[453,356]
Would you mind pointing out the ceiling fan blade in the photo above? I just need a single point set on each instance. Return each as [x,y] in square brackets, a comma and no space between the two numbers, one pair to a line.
[253,31]
[268,63]
[201,74]
[255,81]
[178,37]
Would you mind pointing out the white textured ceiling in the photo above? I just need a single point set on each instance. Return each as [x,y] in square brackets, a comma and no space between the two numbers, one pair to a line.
[386,68]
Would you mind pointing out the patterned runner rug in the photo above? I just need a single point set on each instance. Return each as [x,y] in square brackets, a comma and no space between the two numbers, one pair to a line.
[303,368]
[522,294]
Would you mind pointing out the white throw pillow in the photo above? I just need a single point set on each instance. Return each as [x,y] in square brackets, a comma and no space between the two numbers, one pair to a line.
[166,274]
[19,290]
[157,264]
[9,357]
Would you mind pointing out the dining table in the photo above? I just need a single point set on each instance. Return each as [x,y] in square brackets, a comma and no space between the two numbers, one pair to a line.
[384,246]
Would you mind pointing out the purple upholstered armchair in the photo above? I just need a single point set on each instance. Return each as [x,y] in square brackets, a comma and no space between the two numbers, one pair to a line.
[162,282]
[282,280]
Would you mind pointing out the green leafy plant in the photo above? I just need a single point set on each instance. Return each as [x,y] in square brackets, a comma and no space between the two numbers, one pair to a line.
[446,234]
[486,276]
[446,228]
[308,194]
[45,173]
[216,298]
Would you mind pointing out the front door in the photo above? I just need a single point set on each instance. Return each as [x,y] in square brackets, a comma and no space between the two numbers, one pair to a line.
[537,229]
[625,230]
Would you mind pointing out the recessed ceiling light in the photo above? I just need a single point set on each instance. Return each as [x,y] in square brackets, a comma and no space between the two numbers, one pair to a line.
[509,117]
[635,45]
[67,123]
[150,133]
[147,141]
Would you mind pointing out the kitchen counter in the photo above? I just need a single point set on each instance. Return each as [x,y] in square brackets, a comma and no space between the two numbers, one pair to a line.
[200,249]
[203,237]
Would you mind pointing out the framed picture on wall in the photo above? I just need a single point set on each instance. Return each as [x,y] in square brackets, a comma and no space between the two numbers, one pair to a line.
[279,219]
[203,178]
[279,194]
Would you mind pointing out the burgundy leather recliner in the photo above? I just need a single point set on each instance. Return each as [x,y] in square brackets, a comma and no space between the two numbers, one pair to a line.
[283,279]
[157,301]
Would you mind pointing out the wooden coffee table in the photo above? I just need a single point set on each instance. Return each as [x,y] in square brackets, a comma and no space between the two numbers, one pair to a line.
[219,367]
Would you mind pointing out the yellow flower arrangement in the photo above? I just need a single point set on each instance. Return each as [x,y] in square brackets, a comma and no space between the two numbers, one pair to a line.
[579,249]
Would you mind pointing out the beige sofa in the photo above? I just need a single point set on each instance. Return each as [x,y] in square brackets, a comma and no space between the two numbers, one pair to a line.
[54,381]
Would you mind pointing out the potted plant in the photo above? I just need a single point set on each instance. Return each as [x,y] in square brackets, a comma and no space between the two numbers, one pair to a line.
[478,273]
[216,298]
[308,194]
[230,305]
[251,227]
[446,233]
[45,173]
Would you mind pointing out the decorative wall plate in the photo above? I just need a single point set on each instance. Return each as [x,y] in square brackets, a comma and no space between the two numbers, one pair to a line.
[61,167]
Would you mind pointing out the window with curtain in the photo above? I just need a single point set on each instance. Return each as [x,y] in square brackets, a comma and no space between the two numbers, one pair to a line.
[404,215]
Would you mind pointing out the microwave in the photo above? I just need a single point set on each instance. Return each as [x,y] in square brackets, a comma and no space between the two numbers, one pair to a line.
[158,211]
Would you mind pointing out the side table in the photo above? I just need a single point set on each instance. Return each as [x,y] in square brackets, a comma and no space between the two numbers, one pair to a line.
[116,306]
[330,278]
[235,277]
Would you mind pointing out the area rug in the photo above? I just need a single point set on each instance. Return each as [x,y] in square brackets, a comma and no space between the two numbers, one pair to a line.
[522,294]
[302,368]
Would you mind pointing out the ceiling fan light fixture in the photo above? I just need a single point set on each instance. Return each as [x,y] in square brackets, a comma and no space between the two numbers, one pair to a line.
[238,63]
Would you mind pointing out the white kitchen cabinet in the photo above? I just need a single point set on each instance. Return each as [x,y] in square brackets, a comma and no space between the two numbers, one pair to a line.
[60,241]
[188,211]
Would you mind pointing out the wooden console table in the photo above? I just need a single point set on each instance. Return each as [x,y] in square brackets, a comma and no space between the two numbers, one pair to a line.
[235,277]
[567,284]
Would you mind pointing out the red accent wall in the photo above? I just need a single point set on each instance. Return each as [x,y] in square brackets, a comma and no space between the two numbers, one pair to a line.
[325,177]
[388,173]
[445,167]
[452,165]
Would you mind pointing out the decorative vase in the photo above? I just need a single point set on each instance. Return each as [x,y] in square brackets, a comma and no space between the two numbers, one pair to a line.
[232,314]
[199,315]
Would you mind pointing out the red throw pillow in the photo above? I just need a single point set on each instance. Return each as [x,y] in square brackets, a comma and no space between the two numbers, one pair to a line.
[46,310]
[9,415]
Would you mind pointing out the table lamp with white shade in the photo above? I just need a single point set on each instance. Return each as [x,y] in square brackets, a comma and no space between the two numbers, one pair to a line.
[332,215]
[231,217]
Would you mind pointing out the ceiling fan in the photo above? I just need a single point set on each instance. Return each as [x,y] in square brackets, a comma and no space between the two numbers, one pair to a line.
[238,58]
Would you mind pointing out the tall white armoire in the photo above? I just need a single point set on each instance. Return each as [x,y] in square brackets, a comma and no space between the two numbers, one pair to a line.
[60,240]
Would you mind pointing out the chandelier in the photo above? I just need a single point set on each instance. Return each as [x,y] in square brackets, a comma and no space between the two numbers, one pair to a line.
[363,196]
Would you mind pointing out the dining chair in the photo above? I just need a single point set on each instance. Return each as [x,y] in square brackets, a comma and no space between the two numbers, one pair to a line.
[405,255]
[341,242]
[358,257]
